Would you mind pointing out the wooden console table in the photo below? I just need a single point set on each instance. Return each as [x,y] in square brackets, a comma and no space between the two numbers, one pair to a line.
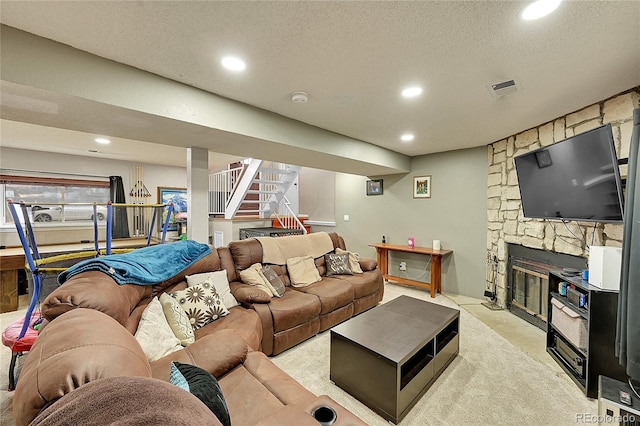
[436,265]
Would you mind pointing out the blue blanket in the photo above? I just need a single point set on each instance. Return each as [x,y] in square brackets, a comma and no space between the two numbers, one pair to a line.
[145,266]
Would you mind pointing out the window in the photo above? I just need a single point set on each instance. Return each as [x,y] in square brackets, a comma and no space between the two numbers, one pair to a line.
[55,200]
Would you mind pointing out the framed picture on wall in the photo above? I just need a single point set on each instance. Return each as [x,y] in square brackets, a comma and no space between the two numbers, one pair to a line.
[177,196]
[422,187]
[374,187]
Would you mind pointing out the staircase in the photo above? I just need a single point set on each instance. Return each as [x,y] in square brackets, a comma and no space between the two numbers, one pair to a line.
[255,188]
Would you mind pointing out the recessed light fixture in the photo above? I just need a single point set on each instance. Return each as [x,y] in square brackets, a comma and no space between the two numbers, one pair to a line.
[407,137]
[103,141]
[539,8]
[412,92]
[233,63]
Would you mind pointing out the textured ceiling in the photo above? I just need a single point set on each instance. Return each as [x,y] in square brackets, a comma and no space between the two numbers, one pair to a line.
[353,58]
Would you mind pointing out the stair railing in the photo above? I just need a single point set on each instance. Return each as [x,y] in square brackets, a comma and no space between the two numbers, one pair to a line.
[288,220]
[221,186]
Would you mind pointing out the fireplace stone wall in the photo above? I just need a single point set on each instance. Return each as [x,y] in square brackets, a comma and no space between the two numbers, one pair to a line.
[506,224]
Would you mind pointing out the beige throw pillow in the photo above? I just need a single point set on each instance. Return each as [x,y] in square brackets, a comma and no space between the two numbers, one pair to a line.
[302,271]
[177,319]
[154,333]
[354,260]
[220,282]
[253,276]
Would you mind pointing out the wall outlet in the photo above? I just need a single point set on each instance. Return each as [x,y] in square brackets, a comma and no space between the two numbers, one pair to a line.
[403,266]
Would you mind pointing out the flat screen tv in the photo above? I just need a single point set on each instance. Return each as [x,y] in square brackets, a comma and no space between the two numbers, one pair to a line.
[574,179]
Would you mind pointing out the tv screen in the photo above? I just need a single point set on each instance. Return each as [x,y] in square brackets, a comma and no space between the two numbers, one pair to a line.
[574,179]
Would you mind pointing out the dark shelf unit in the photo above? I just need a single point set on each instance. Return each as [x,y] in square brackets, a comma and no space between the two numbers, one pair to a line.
[584,365]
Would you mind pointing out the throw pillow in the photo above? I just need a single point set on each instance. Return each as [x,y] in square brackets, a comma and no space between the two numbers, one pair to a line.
[253,276]
[337,264]
[202,384]
[154,333]
[354,260]
[202,305]
[277,286]
[220,282]
[177,319]
[302,271]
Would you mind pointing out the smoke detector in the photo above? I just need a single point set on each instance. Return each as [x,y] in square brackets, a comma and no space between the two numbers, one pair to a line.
[299,97]
[503,88]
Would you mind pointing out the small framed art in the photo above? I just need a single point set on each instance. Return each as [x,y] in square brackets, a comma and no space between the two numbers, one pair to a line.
[374,187]
[422,187]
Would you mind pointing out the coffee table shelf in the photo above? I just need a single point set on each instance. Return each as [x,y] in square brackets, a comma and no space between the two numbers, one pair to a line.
[389,356]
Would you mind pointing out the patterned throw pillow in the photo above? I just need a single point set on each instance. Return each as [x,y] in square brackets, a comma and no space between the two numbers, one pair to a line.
[337,264]
[354,260]
[177,319]
[275,282]
[221,283]
[202,304]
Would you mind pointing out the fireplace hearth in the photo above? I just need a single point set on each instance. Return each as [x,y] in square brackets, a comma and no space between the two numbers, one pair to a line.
[528,282]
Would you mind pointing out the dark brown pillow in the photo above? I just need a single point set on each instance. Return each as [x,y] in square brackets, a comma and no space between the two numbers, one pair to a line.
[274,279]
[337,264]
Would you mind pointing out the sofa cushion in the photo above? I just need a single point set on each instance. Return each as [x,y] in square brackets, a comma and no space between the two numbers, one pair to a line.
[202,384]
[219,281]
[337,264]
[302,271]
[293,309]
[243,322]
[248,400]
[177,319]
[154,333]
[363,284]
[202,305]
[333,293]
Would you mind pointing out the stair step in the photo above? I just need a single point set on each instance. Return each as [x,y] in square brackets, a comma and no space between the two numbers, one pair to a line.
[275,182]
[279,171]
[255,191]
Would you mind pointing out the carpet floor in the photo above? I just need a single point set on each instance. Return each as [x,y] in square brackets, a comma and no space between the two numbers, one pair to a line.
[490,382]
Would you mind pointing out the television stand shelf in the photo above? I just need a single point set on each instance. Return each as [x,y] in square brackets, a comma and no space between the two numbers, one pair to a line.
[597,356]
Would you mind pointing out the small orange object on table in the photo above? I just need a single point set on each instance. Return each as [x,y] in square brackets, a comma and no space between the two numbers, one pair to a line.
[435,286]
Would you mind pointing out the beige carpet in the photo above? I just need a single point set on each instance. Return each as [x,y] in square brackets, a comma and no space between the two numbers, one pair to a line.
[491,381]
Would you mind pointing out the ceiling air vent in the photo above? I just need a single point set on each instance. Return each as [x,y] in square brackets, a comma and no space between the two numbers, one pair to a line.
[503,88]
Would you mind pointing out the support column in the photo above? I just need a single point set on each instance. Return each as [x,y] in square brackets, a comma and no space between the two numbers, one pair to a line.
[198,194]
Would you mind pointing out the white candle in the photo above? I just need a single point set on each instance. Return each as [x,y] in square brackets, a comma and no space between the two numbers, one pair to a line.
[436,244]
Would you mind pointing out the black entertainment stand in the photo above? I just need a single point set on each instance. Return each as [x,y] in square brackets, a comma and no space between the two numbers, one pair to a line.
[585,364]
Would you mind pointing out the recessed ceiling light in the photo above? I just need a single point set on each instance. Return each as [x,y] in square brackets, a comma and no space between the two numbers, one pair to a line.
[407,137]
[103,141]
[234,64]
[539,8]
[412,92]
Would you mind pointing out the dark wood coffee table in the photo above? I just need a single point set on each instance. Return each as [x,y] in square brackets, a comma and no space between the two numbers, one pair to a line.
[389,356]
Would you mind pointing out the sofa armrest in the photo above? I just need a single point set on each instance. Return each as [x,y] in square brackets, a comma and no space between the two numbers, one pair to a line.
[79,347]
[368,264]
[247,294]
[98,291]
[218,353]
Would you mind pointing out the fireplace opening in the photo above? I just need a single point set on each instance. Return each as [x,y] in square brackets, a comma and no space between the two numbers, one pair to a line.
[528,281]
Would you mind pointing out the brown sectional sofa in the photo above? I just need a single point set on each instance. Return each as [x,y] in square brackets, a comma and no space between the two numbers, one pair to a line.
[90,320]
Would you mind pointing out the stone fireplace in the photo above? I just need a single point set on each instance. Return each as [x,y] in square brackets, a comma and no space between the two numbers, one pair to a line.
[507,228]
[528,282]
